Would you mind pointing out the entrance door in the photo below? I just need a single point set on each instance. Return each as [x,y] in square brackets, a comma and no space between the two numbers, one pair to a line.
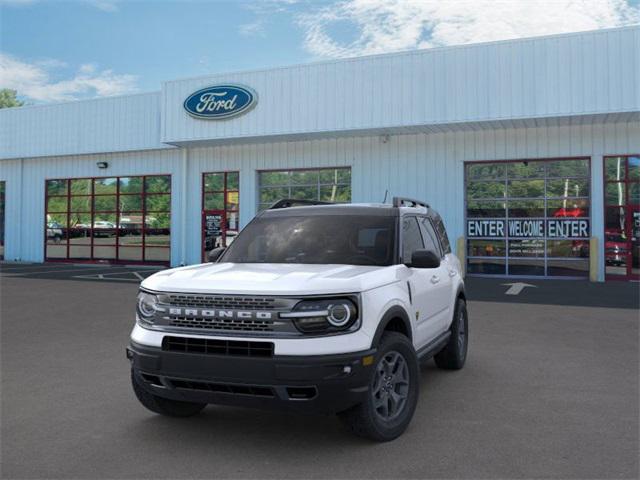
[220,202]
[622,217]
[213,232]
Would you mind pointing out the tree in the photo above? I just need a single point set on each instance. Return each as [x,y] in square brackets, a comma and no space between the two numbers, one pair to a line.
[8,98]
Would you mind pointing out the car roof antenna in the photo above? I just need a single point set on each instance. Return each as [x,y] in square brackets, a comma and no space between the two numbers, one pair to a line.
[386,192]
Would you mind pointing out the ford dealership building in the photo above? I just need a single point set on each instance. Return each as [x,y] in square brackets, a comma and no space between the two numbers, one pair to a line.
[529,149]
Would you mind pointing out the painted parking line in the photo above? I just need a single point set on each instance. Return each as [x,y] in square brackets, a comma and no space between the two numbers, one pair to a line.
[116,276]
[47,270]
[57,270]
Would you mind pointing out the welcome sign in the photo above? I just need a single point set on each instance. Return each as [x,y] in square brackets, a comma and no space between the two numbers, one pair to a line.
[220,102]
[528,228]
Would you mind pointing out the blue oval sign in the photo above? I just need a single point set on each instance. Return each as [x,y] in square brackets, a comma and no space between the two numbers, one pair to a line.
[220,101]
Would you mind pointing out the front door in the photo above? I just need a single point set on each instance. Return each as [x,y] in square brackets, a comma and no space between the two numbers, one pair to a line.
[622,218]
[428,285]
[213,231]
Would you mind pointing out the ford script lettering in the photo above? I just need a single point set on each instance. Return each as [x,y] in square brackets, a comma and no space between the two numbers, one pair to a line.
[220,101]
[233,314]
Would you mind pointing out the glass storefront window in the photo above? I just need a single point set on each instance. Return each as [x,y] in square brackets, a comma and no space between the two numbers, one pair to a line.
[486,190]
[486,248]
[569,208]
[525,208]
[526,248]
[525,188]
[525,169]
[485,209]
[486,171]
[105,219]
[327,184]
[528,214]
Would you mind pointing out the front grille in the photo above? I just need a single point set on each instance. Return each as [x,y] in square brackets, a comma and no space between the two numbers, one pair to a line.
[217,347]
[225,324]
[220,302]
[254,390]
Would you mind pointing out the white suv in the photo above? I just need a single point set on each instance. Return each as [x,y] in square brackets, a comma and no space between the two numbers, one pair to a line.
[314,307]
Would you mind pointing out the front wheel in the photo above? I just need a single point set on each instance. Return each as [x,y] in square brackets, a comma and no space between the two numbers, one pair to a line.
[392,395]
[454,353]
[164,406]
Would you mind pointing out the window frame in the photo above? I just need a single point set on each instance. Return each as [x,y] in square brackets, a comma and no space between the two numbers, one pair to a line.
[260,186]
[545,177]
[145,248]
[628,208]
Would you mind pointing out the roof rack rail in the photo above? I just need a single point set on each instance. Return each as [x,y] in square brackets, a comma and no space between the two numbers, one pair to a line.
[402,201]
[292,202]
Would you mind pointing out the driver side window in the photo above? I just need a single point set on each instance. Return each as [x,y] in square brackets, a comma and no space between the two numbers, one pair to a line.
[411,238]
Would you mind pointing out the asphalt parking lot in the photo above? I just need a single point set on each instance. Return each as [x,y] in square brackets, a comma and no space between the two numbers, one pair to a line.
[550,390]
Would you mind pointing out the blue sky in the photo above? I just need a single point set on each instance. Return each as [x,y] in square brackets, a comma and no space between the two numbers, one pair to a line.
[63,50]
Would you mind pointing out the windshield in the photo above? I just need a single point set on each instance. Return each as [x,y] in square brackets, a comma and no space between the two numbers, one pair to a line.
[319,239]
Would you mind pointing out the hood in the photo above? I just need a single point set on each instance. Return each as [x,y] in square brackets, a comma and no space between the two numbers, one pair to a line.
[271,278]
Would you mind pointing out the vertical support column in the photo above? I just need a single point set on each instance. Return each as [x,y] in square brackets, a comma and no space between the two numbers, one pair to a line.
[183,207]
[248,192]
[597,214]
[19,255]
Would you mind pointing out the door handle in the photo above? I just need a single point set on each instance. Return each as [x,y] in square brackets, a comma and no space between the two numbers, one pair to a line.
[452,273]
[435,279]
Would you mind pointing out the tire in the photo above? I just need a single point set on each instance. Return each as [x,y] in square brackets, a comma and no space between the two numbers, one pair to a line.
[454,353]
[368,419]
[164,406]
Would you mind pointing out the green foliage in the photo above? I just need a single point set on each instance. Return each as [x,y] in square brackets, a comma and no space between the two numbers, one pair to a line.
[8,98]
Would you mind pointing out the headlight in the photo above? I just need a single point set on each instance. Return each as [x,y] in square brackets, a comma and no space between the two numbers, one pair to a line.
[146,307]
[330,315]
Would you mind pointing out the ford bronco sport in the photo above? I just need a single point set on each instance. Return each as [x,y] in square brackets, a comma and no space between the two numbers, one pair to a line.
[324,308]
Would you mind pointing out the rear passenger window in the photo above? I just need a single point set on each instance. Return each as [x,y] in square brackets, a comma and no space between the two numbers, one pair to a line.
[430,238]
[442,233]
[411,238]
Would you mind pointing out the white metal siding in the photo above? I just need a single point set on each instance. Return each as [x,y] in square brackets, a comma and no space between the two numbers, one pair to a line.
[112,124]
[11,174]
[427,166]
[558,76]
[25,196]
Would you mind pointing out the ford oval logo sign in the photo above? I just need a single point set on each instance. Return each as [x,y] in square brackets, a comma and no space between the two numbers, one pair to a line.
[220,102]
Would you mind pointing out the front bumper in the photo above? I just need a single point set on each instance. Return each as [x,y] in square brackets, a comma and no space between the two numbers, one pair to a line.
[307,384]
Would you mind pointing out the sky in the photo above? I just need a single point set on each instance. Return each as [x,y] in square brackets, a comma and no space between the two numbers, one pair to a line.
[54,50]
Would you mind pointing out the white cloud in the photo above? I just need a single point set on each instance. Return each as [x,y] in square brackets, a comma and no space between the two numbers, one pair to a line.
[104,5]
[252,28]
[34,80]
[391,25]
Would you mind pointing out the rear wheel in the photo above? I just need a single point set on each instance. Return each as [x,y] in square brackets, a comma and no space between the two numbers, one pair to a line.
[454,354]
[392,395]
[164,406]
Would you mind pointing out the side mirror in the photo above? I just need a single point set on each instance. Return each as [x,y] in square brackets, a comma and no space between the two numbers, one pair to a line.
[215,254]
[424,259]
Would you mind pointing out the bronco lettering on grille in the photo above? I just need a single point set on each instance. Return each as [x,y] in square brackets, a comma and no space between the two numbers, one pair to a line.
[208,313]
